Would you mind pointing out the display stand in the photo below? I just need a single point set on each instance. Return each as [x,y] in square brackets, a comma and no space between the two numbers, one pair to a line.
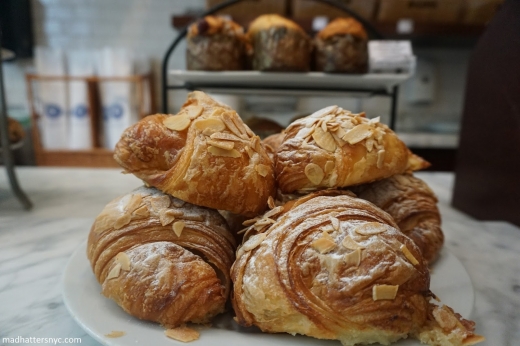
[5,146]
[390,91]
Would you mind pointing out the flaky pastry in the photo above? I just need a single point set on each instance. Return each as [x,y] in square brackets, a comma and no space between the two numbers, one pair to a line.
[335,148]
[204,155]
[162,259]
[332,266]
[413,205]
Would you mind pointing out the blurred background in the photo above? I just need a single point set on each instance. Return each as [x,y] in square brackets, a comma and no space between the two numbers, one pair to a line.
[44,33]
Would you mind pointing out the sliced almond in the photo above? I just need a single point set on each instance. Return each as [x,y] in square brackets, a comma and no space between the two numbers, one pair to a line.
[324,139]
[274,212]
[254,241]
[226,145]
[333,127]
[141,213]
[183,334]
[178,226]
[334,221]
[351,244]
[215,151]
[371,228]
[375,120]
[166,216]
[323,126]
[270,202]
[134,202]
[194,111]
[353,258]
[323,112]
[115,334]
[369,144]
[158,203]
[261,169]
[445,318]
[256,144]
[339,142]
[114,272]
[225,136]
[240,126]
[380,158]
[314,173]
[177,122]
[323,244]
[178,203]
[227,118]
[329,166]
[123,259]
[409,255]
[250,221]
[122,221]
[357,134]
[209,125]
[384,292]
[263,222]
[340,132]
[249,151]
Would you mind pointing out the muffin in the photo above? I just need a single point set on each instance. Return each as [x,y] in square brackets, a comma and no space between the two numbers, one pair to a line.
[279,44]
[342,47]
[216,44]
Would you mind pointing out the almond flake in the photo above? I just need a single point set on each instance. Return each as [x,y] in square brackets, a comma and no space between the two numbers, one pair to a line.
[339,142]
[353,258]
[323,244]
[160,202]
[209,125]
[334,222]
[114,272]
[178,203]
[274,212]
[371,228]
[369,144]
[182,333]
[340,132]
[226,145]
[263,170]
[358,133]
[177,122]
[256,144]
[225,137]
[362,114]
[122,221]
[329,166]
[123,259]
[249,151]
[178,226]
[314,173]
[384,292]
[166,216]
[349,243]
[375,120]
[194,111]
[323,112]
[227,118]
[333,127]
[115,334]
[134,203]
[141,213]
[250,221]
[240,126]
[445,318]
[324,126]
[409,255]
[380,158]
[270,201]
[324,139]
[254,241]
[215,151]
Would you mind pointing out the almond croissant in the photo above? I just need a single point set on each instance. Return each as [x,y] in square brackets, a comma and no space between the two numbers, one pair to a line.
[334,148]
[205,155]
[413,206]
[162,259]
[332,266]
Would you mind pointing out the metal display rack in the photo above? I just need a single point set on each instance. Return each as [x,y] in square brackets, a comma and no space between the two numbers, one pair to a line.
[5,147]
[391,92]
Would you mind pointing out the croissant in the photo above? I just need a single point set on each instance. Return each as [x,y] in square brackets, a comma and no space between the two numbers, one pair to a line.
[332,266]
[205,155]
[413,205]
[162,259]
[335,148]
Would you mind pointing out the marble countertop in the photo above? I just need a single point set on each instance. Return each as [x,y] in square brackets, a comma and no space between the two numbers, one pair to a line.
[35,247]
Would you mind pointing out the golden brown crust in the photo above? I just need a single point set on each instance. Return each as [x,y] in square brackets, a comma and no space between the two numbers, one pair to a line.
[343,26]
[268,21]
[413,205]
[211,25]
[162,259]
[284,282]
[213,159]
[335,148]
[272,143]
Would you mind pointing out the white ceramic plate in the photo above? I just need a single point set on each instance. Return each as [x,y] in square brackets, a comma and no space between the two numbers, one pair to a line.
[316,80]
[99,316]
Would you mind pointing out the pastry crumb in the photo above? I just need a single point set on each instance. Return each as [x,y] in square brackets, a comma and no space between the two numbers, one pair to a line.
[115,334]
[182,333]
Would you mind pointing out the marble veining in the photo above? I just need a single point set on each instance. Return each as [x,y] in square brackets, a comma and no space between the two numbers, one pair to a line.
[35,247]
